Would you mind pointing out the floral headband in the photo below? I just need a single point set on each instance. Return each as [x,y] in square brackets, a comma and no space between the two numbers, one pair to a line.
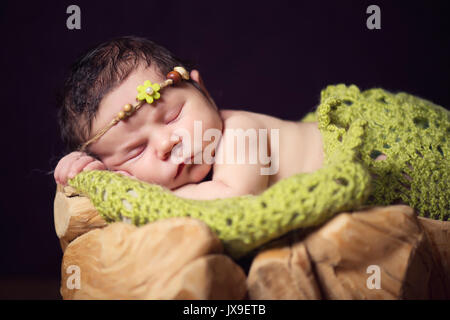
[146,93]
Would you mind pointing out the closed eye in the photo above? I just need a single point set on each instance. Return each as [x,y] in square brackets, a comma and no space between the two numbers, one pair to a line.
[175,115]
[136,153]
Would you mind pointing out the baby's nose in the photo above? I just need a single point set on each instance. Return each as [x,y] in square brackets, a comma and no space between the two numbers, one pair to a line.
[166,147]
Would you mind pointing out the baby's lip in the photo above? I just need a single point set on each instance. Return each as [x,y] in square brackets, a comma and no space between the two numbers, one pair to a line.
[179,169]
[181,166]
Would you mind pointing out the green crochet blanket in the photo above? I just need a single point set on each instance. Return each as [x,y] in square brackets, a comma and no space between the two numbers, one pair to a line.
[356,127]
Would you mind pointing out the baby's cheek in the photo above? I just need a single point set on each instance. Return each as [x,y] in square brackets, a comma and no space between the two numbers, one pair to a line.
[161,176]
[198,172]
[139,172]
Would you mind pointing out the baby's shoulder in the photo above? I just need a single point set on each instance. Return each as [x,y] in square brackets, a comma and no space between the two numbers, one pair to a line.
[241,119]
[234,115]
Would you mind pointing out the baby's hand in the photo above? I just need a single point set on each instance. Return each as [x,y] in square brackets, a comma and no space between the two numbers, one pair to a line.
[73,163]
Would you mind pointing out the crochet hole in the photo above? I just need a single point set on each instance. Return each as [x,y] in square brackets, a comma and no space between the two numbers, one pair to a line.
[419,154]
[127,205]
[409,165]
[127,220]
[263,204]
[294,216]
[378,155]
[425,214]
[229,222]
[132,193]
[348,102]
[407,176]
[421,122]
[311,189]
[341,181]
[440,150]
[374,154]
[382,100]
[398,201]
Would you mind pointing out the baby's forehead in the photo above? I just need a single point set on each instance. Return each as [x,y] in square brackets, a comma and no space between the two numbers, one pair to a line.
[125,93]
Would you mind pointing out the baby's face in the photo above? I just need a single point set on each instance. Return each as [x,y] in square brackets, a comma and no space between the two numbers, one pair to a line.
[141,145]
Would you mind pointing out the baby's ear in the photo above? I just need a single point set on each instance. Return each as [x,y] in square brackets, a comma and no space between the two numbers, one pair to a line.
[195,75]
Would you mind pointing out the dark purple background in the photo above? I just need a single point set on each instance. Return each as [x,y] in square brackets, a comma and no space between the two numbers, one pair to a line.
[269,57]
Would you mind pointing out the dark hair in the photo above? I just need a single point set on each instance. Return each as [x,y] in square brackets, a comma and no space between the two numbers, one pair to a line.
[99,71]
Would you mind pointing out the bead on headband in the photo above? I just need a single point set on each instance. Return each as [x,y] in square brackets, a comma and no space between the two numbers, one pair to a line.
[148,92]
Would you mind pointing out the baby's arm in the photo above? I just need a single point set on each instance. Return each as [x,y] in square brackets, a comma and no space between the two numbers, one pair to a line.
[231,178]
[207,190]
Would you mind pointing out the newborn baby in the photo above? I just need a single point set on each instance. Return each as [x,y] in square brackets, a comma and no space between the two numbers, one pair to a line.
[145,144]
[267,176]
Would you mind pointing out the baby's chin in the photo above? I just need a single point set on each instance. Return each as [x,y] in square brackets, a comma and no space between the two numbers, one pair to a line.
[198,172]
[194,173]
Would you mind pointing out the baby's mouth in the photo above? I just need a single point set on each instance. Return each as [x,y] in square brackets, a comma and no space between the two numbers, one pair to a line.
[179,169]
[183,164]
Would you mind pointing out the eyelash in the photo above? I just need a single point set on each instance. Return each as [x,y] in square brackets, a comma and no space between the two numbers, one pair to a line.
[177,115]
[138,154]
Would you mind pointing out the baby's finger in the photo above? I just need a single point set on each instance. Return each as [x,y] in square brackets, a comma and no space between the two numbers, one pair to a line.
[78,165]
[95,165]
[64,165]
